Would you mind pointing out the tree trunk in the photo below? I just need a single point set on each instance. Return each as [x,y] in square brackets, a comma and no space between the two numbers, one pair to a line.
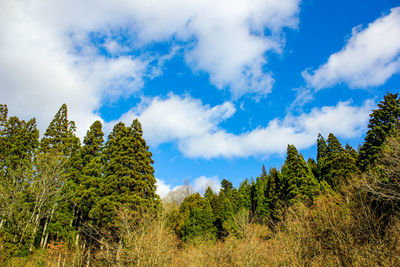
[77,238]
[119,250]
[37,221]
[45,234]
[89,252]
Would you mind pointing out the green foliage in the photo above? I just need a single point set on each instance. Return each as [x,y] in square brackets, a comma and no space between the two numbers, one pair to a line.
[384,122]
[60,139]
[298,178]
[199,223]
[57,190]
[244,195]
[340,163]
[322,154]
[60,135]
[129,176]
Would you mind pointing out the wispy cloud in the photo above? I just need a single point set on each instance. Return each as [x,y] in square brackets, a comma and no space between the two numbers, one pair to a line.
[369,58]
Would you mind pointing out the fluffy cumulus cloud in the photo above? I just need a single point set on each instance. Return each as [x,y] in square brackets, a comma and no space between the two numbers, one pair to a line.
[43,65]
[370,57]
[177,118]
[80,52]
[195,127]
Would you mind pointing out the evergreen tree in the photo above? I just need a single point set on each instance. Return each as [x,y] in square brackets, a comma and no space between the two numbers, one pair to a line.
[18,144]
[226,186]
[262,209]
[384,122]
[244,195]
[87,193]
[339,163]
[223,211]
[209,194]
[129,175]
[322,154]
[60,139]
[199,223]
[60,135]
[299,179]
[275,194]
[313,166]
[177,220]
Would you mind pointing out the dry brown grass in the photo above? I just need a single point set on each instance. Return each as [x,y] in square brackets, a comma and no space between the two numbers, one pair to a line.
[338,230]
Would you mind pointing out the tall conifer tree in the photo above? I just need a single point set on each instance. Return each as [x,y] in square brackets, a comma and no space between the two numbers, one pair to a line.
[87,193]
[60,139]
[339,163]
[299,178]
[129,174]
[384,122]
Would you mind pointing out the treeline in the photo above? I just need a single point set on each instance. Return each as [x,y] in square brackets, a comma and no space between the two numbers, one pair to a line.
[58,189]
[93,196]
[269,195]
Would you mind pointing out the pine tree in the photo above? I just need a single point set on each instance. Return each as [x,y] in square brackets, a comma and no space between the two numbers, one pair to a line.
[339,163]
[87,193]
[223,211]
[313,166]
[199,223]
[60,139]
[322,154]
[18,144]
[384,122]
[299,179]
[60,135]
[129,175]
[145,171]
[209,194]
[275,194]
[190,202]
[244,195]
[262,209]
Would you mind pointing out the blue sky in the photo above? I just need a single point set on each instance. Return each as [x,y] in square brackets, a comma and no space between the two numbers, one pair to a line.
[221,87]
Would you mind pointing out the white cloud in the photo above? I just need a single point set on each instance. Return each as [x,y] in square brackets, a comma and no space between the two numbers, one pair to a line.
[47,56]
[163,189]
[39,69]
[177,118]
[200,184]
[178,193]
[370,57]
[195,127]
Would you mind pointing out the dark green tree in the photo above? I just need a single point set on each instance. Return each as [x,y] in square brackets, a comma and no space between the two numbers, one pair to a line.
[275,194]
[322,154]
[262,209]
[384,122]
[339,163]
[18,144]
[129,175]
[244,195]
[60,135]
[87,192]
[60,139]
[223,211]
[300,182]
[199,223]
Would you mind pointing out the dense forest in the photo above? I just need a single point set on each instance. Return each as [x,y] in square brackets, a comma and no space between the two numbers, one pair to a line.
[67,203]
